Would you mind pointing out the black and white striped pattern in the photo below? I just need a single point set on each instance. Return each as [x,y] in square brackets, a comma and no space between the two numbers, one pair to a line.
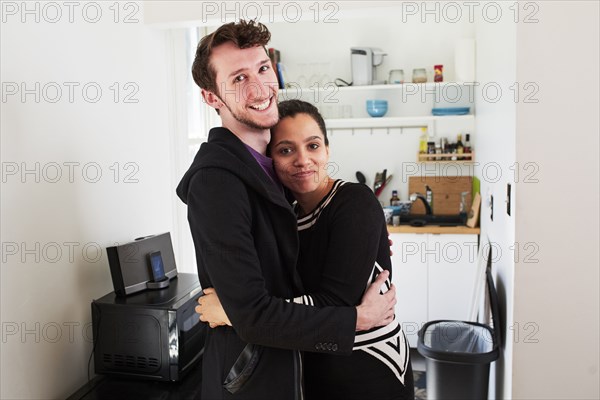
[306,300]
[310,219]
[386,343]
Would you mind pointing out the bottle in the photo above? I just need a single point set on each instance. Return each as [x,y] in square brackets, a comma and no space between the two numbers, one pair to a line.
[438,151]
[395,200]
[459,147]
[438,74]
[468,148]
[431,147]
[423,141]
[429,196]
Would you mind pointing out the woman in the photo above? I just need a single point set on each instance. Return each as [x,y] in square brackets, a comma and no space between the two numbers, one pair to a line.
[343,246]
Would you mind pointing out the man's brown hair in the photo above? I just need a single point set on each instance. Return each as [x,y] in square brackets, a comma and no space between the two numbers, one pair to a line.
[244,34]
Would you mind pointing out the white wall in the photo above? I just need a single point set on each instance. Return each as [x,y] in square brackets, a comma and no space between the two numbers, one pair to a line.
[547,259]
[46,293]
[560,293]
[495,146]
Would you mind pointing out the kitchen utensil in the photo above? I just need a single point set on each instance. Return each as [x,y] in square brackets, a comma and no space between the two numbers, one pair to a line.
[377,182]
[383,185]
[361,178]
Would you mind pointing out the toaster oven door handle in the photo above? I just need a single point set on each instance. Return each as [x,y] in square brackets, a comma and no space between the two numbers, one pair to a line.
[243,368]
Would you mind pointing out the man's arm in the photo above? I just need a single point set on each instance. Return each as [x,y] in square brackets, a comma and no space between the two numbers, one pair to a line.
[375,309]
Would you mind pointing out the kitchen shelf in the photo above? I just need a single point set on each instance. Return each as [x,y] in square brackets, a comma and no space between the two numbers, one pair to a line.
[446,157]
[330,86]
[393,122]
[434,229]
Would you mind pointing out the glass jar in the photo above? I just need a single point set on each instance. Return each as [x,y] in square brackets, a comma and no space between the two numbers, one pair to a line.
[396,76]
[419,75]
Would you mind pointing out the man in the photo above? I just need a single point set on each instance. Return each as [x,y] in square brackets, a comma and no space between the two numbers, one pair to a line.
[246,238]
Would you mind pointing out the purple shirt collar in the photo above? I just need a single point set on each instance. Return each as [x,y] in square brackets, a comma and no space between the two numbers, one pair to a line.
[266,164]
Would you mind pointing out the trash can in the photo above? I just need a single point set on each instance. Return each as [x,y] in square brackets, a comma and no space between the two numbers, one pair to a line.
[458,354]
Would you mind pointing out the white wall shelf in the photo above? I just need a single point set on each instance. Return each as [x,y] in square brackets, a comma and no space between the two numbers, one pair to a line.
[331,87]
[446,158]
[394,122]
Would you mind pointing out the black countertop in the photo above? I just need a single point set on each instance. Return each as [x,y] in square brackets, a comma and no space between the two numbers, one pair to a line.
[108,387]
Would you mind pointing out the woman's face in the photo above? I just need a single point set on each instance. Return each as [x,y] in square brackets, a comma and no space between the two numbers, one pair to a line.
[299,153]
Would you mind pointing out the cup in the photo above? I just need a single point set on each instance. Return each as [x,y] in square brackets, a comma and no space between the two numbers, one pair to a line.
[396,77]
[325,79]
[314,77]
[388,213]
[302,79]
[346,111]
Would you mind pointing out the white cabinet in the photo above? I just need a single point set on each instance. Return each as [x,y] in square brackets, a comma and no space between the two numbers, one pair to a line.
[409,274]
[434,276]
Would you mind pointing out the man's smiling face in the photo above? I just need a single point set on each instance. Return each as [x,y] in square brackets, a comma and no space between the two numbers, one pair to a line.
[246,87]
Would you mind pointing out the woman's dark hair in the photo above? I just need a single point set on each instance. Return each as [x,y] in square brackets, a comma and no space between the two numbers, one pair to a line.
[244,34]
[289,108]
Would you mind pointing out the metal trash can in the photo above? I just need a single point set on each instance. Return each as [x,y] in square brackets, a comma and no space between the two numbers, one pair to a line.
[458,354]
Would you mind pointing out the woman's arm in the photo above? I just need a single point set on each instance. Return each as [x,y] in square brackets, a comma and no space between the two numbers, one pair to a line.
[354,243]
[357,239]
[369,310]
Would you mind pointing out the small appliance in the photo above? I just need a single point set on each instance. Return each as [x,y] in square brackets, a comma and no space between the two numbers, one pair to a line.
[153,334]
[363,60]
[146,263]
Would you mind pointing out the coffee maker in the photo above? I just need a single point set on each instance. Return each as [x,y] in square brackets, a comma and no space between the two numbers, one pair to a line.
[364,59]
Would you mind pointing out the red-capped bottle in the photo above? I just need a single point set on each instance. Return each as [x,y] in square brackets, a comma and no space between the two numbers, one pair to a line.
[438,73]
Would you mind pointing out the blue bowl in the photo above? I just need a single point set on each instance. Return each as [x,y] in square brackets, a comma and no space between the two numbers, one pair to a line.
[377,108]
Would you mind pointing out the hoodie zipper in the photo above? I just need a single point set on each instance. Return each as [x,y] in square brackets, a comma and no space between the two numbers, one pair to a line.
[299,375]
